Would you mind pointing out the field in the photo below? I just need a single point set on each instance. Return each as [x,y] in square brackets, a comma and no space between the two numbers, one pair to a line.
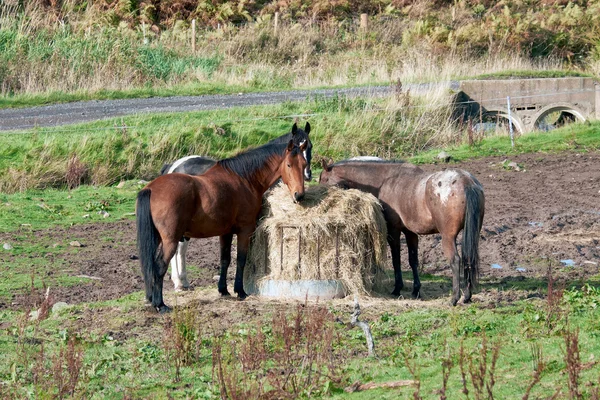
[527,315]
[73,318]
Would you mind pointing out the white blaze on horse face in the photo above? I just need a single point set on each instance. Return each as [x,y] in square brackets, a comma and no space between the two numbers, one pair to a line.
[304,154]
[442,184]
[179,162]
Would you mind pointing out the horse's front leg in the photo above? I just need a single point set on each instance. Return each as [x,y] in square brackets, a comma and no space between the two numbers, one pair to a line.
[243,241]
[412,242]
[394,242]
[225,242]
[178,271]
[449,249]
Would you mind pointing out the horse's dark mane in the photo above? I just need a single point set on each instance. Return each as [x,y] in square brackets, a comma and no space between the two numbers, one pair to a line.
[245,164]
[344,162]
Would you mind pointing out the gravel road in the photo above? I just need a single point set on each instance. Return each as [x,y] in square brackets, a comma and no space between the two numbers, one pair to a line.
[84,111]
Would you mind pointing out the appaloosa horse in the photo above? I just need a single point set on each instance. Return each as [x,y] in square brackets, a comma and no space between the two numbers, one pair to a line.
[224,201]
[197,165]
[419,203]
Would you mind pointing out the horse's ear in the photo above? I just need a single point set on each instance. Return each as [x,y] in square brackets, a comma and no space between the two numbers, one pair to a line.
[294,129]
[290,145]
[324,164]
[307,128]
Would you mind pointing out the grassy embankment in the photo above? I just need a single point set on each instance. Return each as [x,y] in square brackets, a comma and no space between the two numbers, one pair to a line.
[401,127]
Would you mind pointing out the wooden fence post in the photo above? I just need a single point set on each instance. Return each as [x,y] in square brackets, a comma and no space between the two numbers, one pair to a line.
[194,36]
[364,22]
[276,23]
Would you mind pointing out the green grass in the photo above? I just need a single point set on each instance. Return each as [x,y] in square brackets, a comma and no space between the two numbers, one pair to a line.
[577,137]
[34,210]
[139,365]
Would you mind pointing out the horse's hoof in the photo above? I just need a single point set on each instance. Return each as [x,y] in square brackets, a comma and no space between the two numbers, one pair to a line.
[164,309]
[224,293]
[183,288]
[416,295]
[242,295]
[453,302]
[396,293]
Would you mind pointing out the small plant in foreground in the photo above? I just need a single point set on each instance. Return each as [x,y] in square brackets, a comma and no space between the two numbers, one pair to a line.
[181,339]
[447,364]
[291,358]
[414,370]
[480,371]
[538,365]
[573,362]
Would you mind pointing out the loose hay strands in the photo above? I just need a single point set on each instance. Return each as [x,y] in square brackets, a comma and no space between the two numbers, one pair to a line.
[342,235]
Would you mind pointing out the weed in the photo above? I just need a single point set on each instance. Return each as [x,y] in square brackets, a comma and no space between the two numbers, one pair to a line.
[581,300]
[481,372]
[414,369]
[295,359]
[447,365]
[76,172]
[181,339]
[538,366]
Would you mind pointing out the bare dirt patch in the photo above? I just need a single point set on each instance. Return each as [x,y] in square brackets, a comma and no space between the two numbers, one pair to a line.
[547,212]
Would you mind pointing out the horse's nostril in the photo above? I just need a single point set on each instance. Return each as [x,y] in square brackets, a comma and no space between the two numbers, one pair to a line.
[298,197]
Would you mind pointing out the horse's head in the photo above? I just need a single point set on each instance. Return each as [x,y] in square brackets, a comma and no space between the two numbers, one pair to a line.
[329,176]
[300,137]
[292,169]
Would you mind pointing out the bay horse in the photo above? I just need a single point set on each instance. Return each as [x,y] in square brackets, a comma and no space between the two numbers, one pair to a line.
[197,165]
[419,203]
[224,201]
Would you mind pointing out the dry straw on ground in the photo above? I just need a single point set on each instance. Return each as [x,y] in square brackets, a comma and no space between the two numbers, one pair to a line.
[327,218]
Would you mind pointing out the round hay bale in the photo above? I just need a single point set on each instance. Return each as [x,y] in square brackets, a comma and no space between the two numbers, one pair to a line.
[332,235]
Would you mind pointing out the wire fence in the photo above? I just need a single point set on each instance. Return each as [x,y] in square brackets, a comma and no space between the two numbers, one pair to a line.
[390,92]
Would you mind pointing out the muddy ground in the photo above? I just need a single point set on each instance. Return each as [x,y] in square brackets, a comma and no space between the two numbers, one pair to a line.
[547,212]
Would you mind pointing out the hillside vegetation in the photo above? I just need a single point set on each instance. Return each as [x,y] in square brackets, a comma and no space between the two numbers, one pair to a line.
[67,49]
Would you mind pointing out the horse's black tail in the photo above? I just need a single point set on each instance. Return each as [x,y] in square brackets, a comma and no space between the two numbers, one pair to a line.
[165,169]
[147,240]
[470,246]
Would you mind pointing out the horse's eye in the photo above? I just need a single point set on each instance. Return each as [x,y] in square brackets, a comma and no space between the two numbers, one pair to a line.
[289,166]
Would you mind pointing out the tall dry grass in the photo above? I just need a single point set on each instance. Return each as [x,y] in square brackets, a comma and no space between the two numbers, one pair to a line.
[45,51]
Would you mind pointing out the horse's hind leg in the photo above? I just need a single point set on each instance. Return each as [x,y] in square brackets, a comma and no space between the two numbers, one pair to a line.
[468,286]
[178,271]
[168,250]
[394,242]
[412,242]
[225,242]
[449,248]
